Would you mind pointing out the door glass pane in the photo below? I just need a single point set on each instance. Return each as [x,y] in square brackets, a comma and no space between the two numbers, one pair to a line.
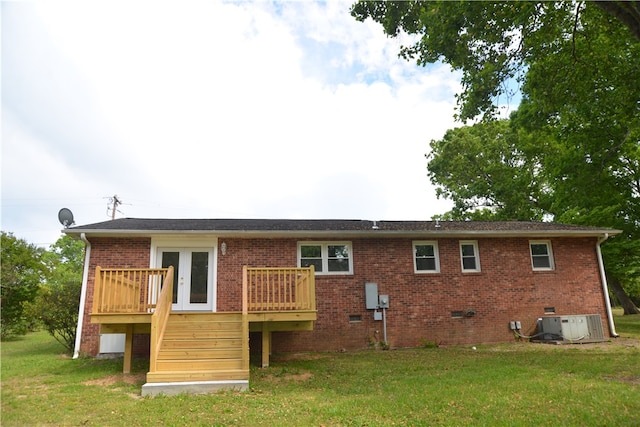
[172,259]
[199,277]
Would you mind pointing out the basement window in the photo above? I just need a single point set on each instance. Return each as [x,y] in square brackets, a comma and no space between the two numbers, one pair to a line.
[549,310]
[353,318]
[457,314]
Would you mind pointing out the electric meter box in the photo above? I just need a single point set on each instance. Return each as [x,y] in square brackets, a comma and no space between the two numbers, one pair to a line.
[383,301]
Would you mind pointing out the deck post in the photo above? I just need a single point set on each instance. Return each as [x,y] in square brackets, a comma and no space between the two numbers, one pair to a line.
[266,344]
[128,349]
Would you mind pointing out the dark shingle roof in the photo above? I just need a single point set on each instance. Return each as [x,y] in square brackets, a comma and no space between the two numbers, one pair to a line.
[142,226]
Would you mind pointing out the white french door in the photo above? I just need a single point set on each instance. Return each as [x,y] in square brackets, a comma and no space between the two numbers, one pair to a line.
[193,277]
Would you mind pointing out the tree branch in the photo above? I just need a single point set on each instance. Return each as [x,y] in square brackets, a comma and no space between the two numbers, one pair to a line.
[627,12]
[575,30]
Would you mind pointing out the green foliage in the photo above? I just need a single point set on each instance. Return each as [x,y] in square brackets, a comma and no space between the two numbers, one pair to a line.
[496,44]
[488,173]
[58,301]
[23,270]
[571,153]
[57,305]
[425,343]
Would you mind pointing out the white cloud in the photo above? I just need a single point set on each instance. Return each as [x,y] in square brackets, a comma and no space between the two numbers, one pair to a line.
[208,109]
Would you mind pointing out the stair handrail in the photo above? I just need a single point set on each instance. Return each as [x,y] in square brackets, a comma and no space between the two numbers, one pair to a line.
[159,318]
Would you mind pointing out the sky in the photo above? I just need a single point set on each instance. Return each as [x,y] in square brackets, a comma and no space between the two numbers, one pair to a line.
[212,109]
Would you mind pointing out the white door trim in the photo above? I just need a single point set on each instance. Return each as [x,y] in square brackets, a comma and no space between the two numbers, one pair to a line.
[209,243]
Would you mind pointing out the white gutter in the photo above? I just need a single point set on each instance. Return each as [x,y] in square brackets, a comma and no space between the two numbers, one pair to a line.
[605,287]
[83,294]
[346,234]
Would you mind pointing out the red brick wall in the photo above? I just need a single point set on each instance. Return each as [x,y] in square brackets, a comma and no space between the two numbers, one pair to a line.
[420,304]
[112,253]
[505,289]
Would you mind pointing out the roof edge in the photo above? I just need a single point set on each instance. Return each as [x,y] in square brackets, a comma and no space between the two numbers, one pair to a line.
[597,232]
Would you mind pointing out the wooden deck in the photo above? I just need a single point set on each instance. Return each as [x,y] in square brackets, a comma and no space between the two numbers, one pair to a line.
[201,346]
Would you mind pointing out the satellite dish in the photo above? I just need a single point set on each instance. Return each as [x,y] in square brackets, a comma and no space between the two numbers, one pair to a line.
[65,216]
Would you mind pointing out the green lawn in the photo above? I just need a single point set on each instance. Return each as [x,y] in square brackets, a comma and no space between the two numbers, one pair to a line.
[506,384]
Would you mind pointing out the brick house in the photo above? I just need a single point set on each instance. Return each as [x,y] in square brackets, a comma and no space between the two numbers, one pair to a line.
[446,282]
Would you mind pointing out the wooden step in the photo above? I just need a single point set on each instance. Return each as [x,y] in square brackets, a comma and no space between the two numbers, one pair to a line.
[200,354]
[203,375]
[215,317]
[197,365]
[203,325]
[197,344]
[203,334]
[201,347]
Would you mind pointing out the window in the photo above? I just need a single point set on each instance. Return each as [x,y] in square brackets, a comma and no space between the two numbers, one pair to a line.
[425,257]
[541,255]
[326,257]
[469,256]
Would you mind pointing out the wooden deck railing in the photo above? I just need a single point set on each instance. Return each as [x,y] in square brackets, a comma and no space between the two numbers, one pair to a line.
[245,322]
[160,317]
[279,289]
[127,290]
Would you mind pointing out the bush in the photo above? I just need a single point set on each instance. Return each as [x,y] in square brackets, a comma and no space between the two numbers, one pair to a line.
[57,306]
[23,270]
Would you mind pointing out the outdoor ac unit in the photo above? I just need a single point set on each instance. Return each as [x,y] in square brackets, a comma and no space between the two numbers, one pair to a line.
[578,328]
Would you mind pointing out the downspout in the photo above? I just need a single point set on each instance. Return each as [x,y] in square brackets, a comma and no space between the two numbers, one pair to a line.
[605,287]
[83,294]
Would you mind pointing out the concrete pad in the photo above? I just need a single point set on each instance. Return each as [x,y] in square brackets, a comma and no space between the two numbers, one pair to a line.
[193,387]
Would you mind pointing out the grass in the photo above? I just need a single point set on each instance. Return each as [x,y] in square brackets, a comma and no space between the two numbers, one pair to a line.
[507,384]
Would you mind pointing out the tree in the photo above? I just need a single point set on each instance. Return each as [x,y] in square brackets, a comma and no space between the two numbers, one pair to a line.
[22,272]
[627,12]
[571,153]
[58,301]
[497,44]
[488,174]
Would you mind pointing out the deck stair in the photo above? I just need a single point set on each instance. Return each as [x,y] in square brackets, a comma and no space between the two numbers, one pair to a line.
[200,350]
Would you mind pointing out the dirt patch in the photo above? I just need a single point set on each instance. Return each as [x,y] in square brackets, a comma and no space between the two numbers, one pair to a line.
[285,357]
[612,345]
[299,377]
[626,379]
[132,379]
[289,377]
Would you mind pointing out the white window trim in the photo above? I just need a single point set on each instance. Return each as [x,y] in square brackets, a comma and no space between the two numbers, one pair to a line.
[436,254]
[325,256]
[476,254]
[552,265]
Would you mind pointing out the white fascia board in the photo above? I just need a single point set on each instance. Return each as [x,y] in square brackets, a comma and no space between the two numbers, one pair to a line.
[433,234]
